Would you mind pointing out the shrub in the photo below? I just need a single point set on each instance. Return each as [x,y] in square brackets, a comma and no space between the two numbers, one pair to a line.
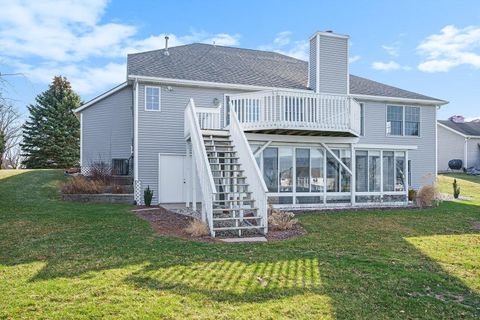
[456,189]
[412,194]
[427,196]
[81,185]
[101,171]
[147,196]
[197,228]
[281,220]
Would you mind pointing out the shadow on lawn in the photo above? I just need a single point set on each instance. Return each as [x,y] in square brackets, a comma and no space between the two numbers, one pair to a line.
[359,278]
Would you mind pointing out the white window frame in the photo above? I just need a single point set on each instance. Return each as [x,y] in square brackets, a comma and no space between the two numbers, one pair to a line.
[159,98]
[403,121]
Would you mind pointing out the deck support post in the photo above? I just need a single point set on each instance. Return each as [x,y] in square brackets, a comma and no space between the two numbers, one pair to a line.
[353,182]
[193,180]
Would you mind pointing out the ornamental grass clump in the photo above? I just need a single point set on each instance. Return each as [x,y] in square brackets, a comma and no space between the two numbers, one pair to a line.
[197,228]
[281,220]
[81,185]
[427,196]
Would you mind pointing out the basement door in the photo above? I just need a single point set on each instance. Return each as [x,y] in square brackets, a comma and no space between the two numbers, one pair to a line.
[172,178]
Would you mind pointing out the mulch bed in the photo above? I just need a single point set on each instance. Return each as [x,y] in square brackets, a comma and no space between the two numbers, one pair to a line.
[170,224]
[278,235]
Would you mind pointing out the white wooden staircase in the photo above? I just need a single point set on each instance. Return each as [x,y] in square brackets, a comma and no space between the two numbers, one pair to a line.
[234,200]
[234,210]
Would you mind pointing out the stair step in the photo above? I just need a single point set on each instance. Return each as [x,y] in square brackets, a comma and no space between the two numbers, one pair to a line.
[234,192]
[223,158]
[219,147]
[225,170]
[244,218]
[232,185]
[237,228]
[234,209]
[235,200]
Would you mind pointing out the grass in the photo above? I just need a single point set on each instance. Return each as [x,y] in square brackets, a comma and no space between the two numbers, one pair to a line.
[63,260]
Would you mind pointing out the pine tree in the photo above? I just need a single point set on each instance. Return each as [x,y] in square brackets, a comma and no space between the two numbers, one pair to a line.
[3,147]
[51,135]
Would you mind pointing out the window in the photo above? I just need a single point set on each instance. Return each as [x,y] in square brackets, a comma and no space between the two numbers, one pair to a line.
[400,171]
[412,121]
[120,167]
[403,121]
[270,168]
[286,169]
[316,179]
[361,174]
[152,98]
[374,171]
[362,119]
[302,164]
[368,174]
[333,172]
[388,171]
[394,120]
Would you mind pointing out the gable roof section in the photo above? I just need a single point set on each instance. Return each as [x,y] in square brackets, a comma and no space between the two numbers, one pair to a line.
[101,97]
[210,63]
[471,129]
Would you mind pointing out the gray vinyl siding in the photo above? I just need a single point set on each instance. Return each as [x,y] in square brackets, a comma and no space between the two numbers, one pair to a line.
[333,64]
[423,159]
[163,131]
[450,146]
[312,64]
[107,128]
[473,153]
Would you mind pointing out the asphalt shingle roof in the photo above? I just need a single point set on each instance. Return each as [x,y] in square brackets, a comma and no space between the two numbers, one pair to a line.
[204,62]
[467,128]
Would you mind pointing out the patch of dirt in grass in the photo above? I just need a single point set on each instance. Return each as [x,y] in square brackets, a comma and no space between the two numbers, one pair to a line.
[276,235]
[169,224]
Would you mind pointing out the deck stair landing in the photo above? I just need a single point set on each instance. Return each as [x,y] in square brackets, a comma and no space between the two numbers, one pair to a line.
[234,210]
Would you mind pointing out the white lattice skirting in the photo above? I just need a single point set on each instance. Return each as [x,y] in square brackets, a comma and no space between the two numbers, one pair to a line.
[137,189]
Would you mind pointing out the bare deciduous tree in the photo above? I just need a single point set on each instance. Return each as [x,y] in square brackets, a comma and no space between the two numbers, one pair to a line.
[11,129]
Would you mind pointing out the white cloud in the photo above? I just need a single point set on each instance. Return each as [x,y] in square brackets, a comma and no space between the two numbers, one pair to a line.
[389,66]
[393,49]
[353,59]
[52,37]
[283,44]
[386,66]
[450,48]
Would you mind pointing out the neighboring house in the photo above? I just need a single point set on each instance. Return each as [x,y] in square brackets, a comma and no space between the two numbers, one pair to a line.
[458,140]
[236,128]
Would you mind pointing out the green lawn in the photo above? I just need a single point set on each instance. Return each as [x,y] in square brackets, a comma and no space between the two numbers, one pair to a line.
[67,260]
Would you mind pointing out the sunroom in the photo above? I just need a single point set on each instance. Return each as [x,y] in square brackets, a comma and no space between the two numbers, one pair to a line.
[332,175]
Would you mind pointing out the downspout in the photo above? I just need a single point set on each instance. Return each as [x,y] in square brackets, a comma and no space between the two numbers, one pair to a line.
[135,131]
[465,150]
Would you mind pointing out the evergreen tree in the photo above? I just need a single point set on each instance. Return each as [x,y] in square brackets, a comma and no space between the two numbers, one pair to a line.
[51,135]
[3,147]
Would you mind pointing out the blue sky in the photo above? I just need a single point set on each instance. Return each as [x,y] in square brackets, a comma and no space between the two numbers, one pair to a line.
[430,47]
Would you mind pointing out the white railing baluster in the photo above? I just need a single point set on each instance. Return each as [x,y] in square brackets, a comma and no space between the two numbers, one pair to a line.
[289,109]
[202,166]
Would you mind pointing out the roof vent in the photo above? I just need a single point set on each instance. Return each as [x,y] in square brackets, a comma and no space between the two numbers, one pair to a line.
[457,119]
[329,31]
[166,47]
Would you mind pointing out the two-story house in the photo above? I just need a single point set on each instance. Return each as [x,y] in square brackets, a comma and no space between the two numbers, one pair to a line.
[236,129]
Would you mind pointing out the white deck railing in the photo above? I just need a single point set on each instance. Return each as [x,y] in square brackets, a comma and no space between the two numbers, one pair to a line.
[209,118]
[277,109]
[207,185]
[255,179]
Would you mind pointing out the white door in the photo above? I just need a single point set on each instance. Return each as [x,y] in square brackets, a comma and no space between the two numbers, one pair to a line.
[171,180]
